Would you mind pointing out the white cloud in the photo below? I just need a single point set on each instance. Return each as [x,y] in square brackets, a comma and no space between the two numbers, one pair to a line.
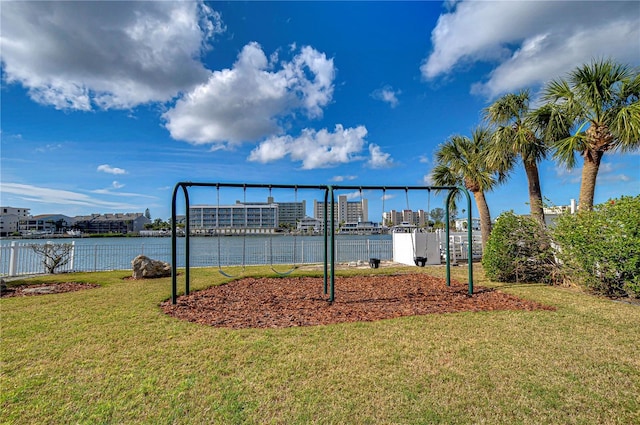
[607,173]
[378,158]
[246,102]
[106,168]
[338,179]
[45,195]
[531,42]
[354,196]
[387,94]
[49,147]
[82,55]
[117,185]
[427,179]
[315,149]
[424,159]
[568,175]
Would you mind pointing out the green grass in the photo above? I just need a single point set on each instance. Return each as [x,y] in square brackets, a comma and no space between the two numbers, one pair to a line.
[109,355]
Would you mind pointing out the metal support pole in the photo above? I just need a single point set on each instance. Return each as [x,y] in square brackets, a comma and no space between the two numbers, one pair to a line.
[446,236]
[187,241]
[333,246]
[470,244]
[326,234]
[174,251]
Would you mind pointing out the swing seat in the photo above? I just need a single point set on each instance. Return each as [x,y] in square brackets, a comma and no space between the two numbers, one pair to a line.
[374,263]
[420,261]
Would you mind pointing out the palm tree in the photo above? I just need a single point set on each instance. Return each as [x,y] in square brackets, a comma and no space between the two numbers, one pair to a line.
[463,161]
[515,137]
[595,110]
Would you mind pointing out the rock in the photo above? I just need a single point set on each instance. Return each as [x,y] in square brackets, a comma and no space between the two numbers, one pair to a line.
[40,290]
[147,268]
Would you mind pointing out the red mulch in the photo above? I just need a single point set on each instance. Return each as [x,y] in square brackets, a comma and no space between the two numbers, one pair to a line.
[45,289]
[300,301]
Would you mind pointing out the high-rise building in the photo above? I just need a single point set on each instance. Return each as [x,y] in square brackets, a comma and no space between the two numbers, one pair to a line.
[344,211]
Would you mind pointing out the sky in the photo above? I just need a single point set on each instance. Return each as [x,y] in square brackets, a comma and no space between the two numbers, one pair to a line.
[105,106]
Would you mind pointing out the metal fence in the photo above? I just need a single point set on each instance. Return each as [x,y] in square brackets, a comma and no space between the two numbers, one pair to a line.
[19,259]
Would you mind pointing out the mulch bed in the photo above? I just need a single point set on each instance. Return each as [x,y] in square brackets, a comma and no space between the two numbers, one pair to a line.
[44,289]
[300,301]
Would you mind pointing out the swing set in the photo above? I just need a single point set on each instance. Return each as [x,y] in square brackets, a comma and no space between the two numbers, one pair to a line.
[328,233]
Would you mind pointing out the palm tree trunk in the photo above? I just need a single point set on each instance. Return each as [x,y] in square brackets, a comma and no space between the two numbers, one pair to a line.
[535,193]
[485,216]
[589,176]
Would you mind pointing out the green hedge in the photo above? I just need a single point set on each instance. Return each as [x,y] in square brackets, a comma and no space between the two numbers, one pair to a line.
[518,250]
[600,249]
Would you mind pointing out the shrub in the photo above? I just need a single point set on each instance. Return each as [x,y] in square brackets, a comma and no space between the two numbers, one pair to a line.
[54,256]
[518,250]
[600,249]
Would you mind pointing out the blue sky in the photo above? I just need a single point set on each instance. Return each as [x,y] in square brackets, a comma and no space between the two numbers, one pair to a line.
[106,105]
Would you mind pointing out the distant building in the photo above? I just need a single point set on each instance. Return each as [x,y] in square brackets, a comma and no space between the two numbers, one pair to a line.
[551,214]
[460,224]
[410,217]
[344,211]
[111,223]
[229,219]
[20,212]
[310,225]
[360,228]
[9,224]
[46,223]
[289,213]
[10,219]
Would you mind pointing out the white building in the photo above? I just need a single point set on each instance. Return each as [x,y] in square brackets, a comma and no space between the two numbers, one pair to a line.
[10,219]
[289,213]
[460,224]
[360,228]
[20,212]
[46,223]
[344,211]
[415,218]
[551,214]
[9,224]
[310,225]
[233,219]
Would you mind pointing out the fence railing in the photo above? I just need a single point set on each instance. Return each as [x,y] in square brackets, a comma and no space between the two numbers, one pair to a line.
[19,259]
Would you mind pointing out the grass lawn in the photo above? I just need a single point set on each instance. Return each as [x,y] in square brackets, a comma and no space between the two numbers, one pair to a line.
[109,355]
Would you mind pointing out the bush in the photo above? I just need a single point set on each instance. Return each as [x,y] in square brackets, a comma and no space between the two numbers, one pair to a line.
[54,256]
[518,250]
[600,249]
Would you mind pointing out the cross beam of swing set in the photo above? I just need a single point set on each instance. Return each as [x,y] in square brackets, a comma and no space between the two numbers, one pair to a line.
[329,222]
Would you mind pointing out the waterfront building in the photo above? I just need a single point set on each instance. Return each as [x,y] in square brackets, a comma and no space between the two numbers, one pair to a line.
[360,228]
[111,223]
[310,225]
[20,212]
[10,219]
[460,225]
[551,214]
[414,218]
[233,219]
[289,213]
[9,224]
[344,211]
[45,224]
